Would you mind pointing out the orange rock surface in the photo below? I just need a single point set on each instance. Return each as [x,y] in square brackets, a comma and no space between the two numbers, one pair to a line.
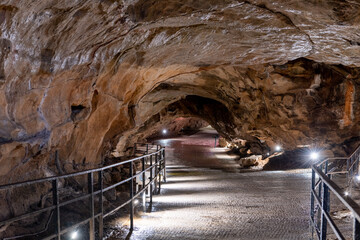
[90,78]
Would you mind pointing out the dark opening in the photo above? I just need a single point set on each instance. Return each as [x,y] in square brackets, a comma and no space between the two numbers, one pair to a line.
[75,110]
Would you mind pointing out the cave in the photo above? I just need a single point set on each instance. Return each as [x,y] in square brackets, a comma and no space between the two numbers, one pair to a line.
[83,82]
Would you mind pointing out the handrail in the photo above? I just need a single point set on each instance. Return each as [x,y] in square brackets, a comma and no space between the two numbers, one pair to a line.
[152,164]
[20,184]
[320,196]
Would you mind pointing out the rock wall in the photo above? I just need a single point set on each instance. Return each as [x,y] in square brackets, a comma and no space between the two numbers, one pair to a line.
[89,78]
[172,127]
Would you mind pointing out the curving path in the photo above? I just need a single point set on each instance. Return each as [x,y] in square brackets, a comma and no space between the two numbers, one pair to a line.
[206,197]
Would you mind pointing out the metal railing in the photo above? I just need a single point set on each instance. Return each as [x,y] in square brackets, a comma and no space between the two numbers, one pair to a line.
[153,170]
[322,185]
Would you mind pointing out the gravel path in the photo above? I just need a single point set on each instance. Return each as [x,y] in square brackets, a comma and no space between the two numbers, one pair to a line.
[206,197]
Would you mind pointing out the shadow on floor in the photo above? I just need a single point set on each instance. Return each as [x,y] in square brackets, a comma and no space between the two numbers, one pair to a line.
[296,159]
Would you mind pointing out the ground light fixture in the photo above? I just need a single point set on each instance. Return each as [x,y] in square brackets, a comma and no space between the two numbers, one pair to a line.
[358,178]
[314,155]
[74,235]
[278,148]
[164,131]
[346,193]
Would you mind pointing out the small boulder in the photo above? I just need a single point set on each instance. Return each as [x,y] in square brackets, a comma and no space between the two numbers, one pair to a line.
[253,160]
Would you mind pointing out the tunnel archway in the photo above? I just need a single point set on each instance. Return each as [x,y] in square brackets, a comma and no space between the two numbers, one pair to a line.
[82,81]
[212,111]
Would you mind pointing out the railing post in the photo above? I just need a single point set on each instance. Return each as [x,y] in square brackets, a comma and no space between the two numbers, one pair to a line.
[156,175]
[151,178]
[131,197]
[56,203]
[356,229]
[164,162]
[159,172]
[320,184]
[143,183]
[312,206]
[147,148]
[347,169]
[59,229]
[101,206]
[134,149]
[325,207]
[351,168]
[92,214]
[357,164]
[143,174]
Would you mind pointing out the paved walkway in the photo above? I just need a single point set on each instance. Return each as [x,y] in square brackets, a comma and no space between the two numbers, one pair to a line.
[206,197]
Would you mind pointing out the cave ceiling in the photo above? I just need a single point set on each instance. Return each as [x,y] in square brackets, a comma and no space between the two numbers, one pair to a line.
[89,78]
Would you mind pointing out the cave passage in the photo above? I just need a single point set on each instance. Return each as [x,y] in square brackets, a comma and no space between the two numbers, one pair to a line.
[206,197]
[198,150]
[83,82]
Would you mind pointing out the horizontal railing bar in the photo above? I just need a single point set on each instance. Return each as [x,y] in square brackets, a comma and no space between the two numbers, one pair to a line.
[331,222]
[352,165]
[348,202]
[20,184]
[75,199]
[317,183]
[339,172]
[116,184]
[142,190]
[144,144]
[26,215]
[147,185]
[333,226]
[152,166]
[117,208]
[69,228]
[62,232]
[130,160]
[136,195]
[77,225]
[357,149]
[128,179]
[330,159]
[9,221]
[18,218]
[125,162]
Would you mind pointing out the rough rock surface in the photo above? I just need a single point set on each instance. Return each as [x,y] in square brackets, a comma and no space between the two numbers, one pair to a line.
[89,78]
[175,127]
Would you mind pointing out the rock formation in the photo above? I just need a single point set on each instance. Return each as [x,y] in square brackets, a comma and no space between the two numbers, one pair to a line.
[90,78]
